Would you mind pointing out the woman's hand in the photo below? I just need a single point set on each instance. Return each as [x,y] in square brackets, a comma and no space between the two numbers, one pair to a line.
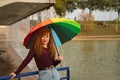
[59,57]
[13,75]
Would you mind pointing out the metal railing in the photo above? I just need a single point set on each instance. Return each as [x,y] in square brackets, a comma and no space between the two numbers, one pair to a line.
[67,77]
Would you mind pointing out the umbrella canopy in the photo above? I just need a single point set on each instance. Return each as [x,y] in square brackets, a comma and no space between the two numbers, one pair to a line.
[62,30]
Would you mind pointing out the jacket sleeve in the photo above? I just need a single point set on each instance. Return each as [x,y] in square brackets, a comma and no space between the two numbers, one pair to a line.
[56,62]
[25,62]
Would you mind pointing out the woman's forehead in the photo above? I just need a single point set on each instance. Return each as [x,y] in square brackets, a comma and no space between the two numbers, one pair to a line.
[46,33]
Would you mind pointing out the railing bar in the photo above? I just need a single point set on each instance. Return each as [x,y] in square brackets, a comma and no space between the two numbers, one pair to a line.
[63,77]
[36,72]
[27,74]
[5,77]
[68,75]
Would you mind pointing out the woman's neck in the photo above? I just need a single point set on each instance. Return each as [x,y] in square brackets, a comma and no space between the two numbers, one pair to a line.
[45,46]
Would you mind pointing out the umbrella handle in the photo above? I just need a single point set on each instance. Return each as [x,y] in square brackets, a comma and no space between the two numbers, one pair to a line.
[58,54]
[54,42]
[57,51]
[56,47]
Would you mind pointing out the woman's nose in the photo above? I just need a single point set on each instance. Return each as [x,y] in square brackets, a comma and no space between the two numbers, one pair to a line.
[44,38]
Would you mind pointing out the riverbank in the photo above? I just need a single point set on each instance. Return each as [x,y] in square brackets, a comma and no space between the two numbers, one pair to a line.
[100,37]
[99,32]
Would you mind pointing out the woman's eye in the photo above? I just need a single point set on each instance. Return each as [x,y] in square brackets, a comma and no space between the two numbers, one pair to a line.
[47,36]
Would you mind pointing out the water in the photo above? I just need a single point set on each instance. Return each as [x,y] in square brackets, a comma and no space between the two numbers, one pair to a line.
[92,60]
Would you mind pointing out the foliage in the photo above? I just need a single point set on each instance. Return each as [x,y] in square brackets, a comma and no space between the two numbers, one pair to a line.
[61,6]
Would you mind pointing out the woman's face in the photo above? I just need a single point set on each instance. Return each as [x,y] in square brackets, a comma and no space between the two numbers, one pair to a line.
[45,39]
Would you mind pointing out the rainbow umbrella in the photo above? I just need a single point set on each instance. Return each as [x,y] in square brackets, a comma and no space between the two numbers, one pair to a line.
[62,30]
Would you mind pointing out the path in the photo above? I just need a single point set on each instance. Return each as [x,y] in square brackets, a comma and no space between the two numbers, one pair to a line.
[101,37]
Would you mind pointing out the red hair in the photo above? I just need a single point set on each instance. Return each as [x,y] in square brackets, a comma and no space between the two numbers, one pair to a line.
[37,44]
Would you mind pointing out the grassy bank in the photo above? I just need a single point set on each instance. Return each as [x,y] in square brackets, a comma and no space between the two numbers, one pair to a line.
[97,28]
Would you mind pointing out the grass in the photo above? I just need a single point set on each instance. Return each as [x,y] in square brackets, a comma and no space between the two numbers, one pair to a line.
[96,30]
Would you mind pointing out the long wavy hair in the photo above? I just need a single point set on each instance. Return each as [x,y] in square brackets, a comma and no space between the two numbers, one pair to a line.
[37,44]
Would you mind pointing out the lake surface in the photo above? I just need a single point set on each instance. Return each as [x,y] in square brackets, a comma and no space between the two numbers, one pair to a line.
[92,59]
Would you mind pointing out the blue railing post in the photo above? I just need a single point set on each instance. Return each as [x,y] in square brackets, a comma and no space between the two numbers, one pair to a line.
[36,72]
[68,73]
[19,78]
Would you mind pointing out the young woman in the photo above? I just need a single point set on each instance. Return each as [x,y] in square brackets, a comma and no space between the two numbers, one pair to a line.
[44,53]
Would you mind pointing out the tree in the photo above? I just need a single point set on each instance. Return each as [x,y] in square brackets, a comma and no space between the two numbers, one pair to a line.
[61,6]
[114,5]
